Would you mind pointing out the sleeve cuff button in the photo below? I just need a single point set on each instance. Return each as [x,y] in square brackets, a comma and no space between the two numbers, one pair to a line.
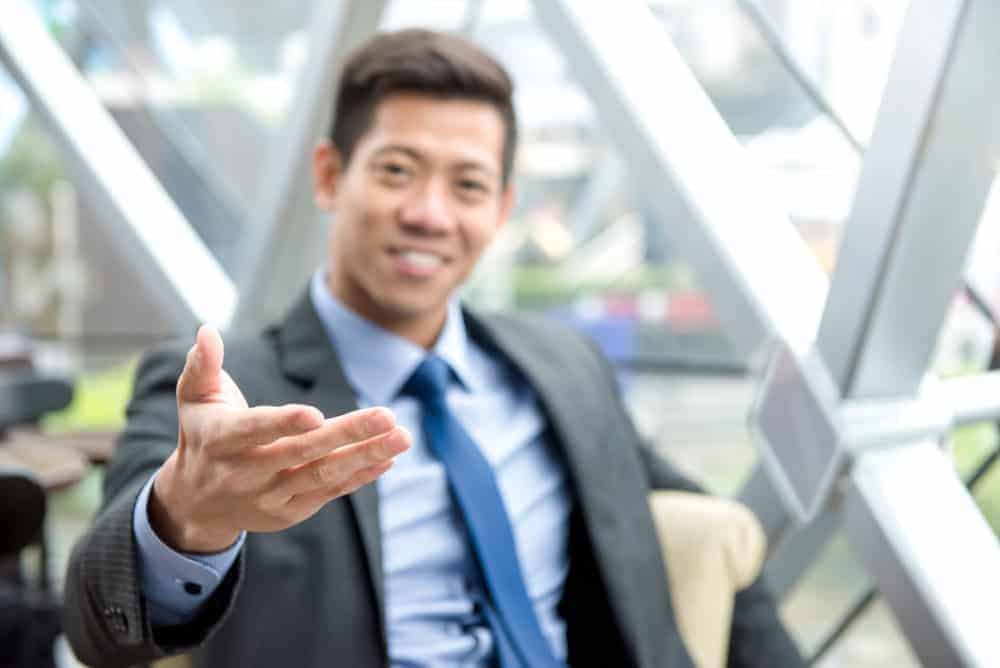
[192,588]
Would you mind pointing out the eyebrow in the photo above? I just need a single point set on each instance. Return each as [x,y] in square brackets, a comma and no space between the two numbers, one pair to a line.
[416,155]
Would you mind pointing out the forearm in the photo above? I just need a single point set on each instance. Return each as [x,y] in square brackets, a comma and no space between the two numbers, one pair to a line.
[104,618]
[107,617]
[104,613]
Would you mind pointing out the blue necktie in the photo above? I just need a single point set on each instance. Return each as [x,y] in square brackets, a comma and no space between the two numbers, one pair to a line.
[520,642]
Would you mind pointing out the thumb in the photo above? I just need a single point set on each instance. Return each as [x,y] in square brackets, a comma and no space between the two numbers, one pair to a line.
[202,375]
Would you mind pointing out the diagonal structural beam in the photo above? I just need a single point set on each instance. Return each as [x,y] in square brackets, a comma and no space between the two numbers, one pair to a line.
[180,273]
[762,279]
[920,196]
[287,232]
[930,551]
[907,512]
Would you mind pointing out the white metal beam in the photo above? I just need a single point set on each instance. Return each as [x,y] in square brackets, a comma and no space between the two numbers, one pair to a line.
[287,232]
[932,554]
[920,197]
[180,273]
[933,557]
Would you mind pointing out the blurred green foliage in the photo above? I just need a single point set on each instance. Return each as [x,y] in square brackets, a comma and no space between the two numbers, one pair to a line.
[543,286]
[31,161]
[970,445]
[98,402]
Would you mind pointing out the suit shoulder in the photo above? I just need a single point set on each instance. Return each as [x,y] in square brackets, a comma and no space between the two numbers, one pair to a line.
[538,328]
[545,338]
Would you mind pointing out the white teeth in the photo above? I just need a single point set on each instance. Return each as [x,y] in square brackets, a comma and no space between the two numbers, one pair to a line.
[421,259]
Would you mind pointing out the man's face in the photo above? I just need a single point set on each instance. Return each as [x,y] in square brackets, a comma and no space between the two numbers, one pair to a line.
[415,207]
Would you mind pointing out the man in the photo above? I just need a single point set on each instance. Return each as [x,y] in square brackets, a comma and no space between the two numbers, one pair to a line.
[508,521]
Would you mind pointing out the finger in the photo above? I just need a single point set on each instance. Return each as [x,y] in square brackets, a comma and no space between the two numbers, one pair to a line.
[234,430]
[354,427]
[304,504]
[201,376]
[334,471]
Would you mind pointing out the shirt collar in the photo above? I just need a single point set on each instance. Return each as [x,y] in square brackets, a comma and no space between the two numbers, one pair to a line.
[377,362]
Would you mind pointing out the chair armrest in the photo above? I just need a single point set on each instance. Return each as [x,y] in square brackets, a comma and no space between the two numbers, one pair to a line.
[22,509]
[712,548]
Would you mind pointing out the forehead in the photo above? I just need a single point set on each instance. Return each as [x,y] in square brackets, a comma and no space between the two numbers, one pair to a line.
[438,128]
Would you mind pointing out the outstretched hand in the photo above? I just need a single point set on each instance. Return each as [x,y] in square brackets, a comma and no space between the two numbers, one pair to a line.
[264,468]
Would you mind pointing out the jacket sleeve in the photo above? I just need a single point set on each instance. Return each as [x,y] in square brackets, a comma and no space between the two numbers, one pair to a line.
[105,614]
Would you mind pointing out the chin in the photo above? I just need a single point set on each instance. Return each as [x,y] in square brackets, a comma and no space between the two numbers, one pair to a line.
[411,310]
[407,304]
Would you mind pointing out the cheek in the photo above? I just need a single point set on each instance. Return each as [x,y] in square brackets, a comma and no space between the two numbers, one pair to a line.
[479,235]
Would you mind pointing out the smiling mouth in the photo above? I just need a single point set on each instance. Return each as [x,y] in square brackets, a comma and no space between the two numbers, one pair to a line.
[417,264]
[421,259]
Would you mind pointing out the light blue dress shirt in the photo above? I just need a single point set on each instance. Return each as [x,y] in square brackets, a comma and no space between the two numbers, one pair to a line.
[436,608]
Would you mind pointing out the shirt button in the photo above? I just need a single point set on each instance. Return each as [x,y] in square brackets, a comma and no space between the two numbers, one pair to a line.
[192,588]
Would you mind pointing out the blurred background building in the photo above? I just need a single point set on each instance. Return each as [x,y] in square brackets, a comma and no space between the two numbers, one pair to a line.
[217,102]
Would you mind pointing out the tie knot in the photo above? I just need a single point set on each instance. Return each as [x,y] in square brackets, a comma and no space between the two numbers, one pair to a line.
[429,380]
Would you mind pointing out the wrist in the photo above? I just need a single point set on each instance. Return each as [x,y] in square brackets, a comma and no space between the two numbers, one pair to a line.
[174,528]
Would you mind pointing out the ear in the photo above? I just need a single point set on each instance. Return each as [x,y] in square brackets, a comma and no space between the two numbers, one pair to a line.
[327,168]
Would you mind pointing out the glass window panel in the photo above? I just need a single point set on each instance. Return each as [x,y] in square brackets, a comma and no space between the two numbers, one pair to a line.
[698,421]
[874,641]
[970,448]
[965,342]
[201,89]
[987,495]
[842,49]
[983,270]
[63,276]
[30,169]
[13,110]
[826,593]
[581,246]
[968,344]
[434,14]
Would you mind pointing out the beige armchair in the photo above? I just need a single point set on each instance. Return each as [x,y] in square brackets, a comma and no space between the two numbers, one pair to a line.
[712,547]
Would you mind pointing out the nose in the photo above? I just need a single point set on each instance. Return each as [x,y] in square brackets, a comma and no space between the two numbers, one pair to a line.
[427,209]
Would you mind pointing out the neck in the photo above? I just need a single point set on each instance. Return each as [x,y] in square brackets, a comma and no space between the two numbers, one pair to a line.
[423,328]
[422,331]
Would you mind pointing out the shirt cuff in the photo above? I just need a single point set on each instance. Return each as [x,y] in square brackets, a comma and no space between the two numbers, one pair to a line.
[175,584]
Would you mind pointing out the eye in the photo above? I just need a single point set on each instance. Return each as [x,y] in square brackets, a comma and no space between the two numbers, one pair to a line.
[393,172]
[472,185]
[472,190]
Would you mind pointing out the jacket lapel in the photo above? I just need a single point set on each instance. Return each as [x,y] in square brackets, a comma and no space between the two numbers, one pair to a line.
[308,358]
[608,480]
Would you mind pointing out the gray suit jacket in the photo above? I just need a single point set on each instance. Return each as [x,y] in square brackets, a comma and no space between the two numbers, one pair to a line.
[312,596]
